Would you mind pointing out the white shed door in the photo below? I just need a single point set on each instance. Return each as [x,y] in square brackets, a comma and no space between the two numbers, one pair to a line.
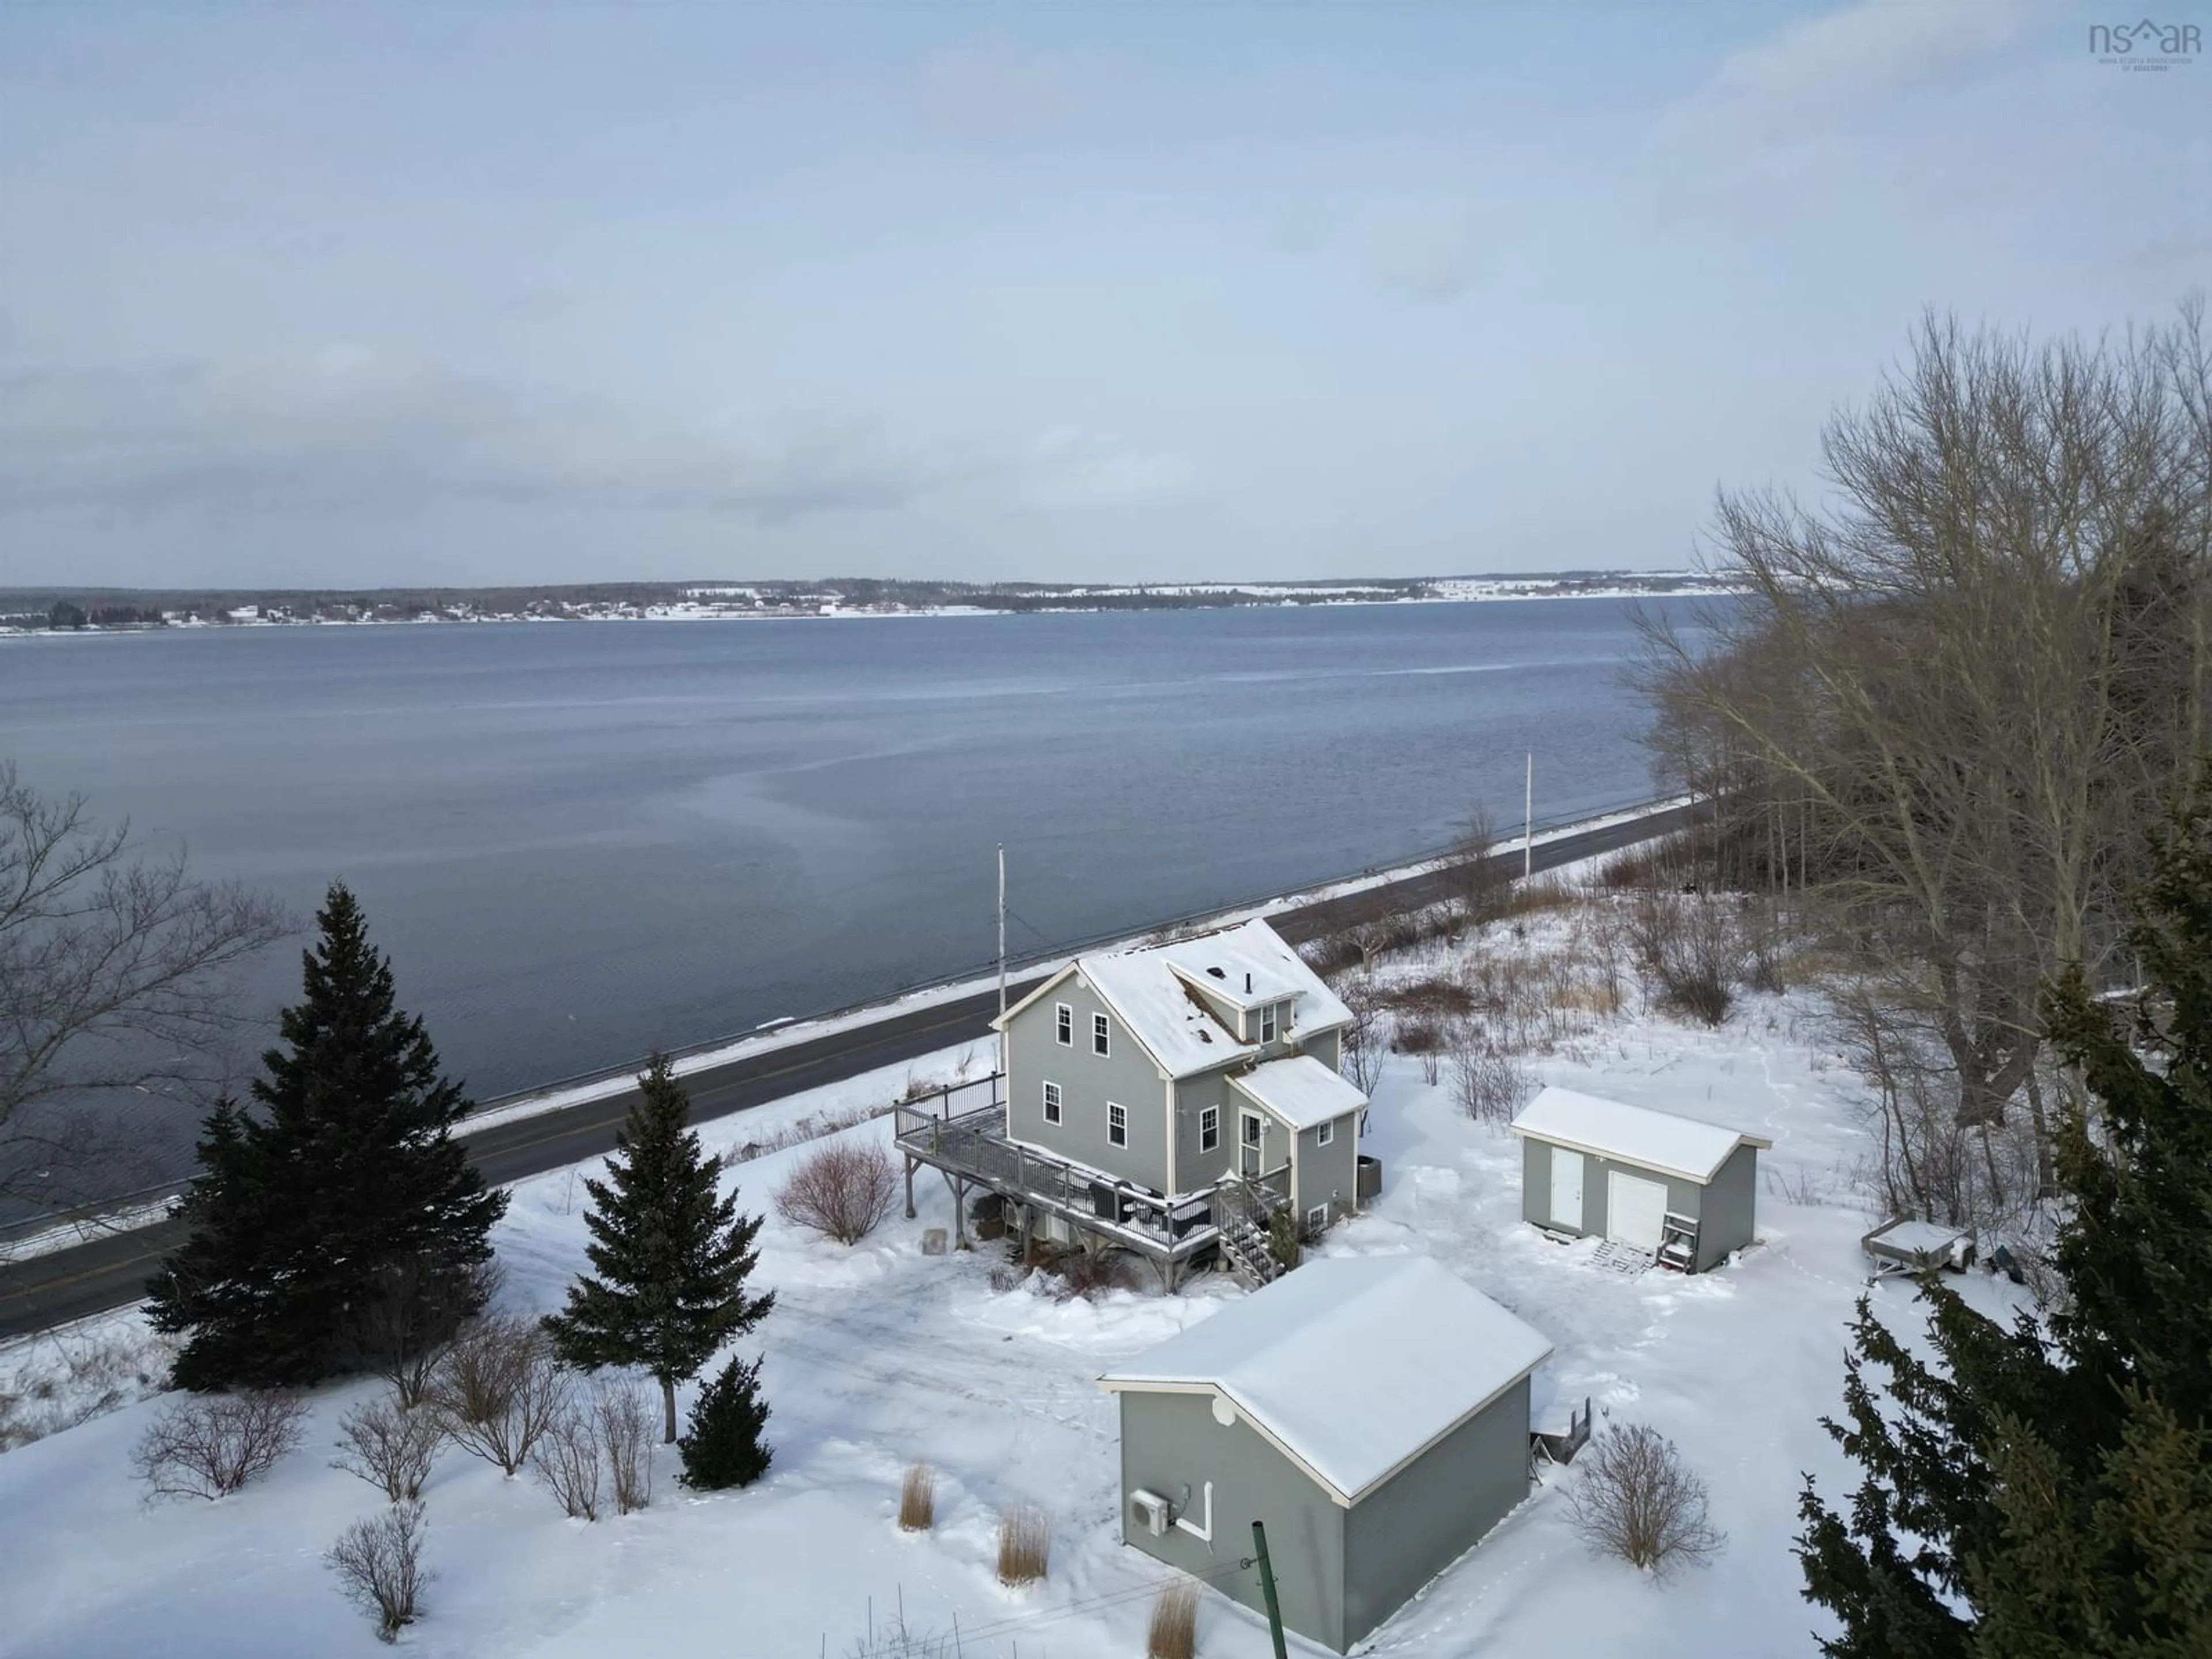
[1566,1188]
[1635,1210]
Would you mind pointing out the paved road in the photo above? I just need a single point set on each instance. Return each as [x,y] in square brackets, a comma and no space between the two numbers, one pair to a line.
[112,1272]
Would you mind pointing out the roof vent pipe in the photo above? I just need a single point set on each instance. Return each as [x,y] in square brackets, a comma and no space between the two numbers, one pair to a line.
[1248,985]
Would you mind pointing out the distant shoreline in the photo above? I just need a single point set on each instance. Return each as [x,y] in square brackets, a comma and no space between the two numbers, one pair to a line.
[760,602]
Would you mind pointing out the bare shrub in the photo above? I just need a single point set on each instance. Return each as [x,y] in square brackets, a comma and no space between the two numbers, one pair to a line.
[842,1192]
[566,1459]
[1685,946]
[1024,1544]
[1173,1631]
[624,1417]
[918,1499]
[1489,1086]
[378,1563]
[390,1447]
[498,1388]
[1632,1497]
[1090,1274]
[1433,998]
[1417,1035]
[213,1444]
[414,1308]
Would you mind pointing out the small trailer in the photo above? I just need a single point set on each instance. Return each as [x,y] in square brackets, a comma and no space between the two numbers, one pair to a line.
[1915,1247]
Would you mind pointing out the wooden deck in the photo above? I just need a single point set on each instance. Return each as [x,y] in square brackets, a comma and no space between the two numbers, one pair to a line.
[967,1144]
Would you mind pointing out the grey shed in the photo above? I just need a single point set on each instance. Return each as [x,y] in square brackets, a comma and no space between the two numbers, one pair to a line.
[1681,1190]
[1372,1411]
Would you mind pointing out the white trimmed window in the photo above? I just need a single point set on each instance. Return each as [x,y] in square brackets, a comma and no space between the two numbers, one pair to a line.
[1064,1024]
[1325,1135]
[1117,1124]
[1317,1218]
[1102,1035]
[1052,1102]
[1209,1128]
[1267,1024]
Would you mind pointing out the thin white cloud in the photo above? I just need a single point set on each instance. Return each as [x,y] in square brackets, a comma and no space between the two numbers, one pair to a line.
[349,432]
[1858,55]
[1068,469]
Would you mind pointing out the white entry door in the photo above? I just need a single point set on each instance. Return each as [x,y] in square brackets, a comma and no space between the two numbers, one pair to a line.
[1251,1144]
[1566,1188]
[1635,1210]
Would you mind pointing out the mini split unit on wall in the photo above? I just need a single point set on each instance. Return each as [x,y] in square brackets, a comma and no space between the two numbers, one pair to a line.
[1151,1512]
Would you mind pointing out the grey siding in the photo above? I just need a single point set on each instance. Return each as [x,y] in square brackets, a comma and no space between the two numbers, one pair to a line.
[1328,1175]
[1683,1197]
[1731,1208]
[1170,1441]
[1194,1168]
[1433,1511]
[1127,1076]
[1327,1047]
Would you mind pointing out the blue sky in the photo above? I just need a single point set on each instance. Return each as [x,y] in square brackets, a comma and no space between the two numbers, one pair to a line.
[464,291]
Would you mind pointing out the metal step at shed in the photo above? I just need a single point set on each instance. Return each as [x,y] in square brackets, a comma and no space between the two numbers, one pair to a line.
[1677,1244]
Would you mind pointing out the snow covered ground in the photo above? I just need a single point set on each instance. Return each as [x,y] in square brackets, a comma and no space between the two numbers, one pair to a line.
[880,1356]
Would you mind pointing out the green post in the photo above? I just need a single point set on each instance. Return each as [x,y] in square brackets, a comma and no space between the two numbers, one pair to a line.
[1268,1589]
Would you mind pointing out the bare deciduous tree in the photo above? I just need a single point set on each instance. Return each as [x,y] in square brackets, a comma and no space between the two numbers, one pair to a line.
[210,1445]
[378,1563]
[1363,1044]
[416,1310]
[498,1388]
[1956,698]
[842,1190]
[390,1446]
[1482,881]
[116,972]
[1630,1496]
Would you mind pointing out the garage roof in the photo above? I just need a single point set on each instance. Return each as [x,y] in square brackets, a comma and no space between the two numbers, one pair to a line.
[1351,1365]
[1672,1145]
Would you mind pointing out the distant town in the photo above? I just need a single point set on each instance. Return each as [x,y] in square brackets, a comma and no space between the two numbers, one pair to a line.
[25,611]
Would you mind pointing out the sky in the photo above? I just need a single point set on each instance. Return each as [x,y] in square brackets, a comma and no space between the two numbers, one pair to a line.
[467,292]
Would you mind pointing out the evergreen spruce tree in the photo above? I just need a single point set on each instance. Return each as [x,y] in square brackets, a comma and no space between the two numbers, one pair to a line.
[343,1183]
[671,1255]
[722,1445]
[2045,1491]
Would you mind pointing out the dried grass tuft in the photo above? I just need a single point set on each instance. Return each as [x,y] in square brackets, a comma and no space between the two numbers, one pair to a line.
[1024,1545]
[918,1499]
[1173,1633]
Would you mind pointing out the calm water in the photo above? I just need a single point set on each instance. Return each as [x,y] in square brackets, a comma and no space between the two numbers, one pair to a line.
[579,840]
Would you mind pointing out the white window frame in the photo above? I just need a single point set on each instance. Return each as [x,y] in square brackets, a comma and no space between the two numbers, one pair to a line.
[1209,1128]
[1325,1135]
[1267,1024]
[1102,1036]
[1063,1024]
[1317,1218]
[1053,1100]
[1117,1124]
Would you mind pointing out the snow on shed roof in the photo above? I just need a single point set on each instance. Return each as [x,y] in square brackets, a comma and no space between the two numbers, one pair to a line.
[1673,1145]
[1352,1365]
[1150,989]
[1300,1090]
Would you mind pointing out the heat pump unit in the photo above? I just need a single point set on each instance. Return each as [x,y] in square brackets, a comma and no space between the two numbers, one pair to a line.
[1150,1511]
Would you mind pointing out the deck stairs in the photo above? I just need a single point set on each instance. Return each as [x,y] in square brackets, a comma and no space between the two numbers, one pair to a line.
[1677,1244]
[1240,1215]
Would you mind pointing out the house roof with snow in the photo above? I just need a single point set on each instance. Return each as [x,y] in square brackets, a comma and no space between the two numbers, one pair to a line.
[1299,1091]
[1157,991]
[1352,1366]
[1684,1146]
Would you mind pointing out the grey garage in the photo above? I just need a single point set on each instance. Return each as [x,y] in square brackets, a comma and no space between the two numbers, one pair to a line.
[1371,1411]
[1679,1189]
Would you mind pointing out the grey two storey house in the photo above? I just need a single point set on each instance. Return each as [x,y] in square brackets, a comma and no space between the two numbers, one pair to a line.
[1170,1100]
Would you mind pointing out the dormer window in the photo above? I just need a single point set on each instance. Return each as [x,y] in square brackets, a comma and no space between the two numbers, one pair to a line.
[1268,1022]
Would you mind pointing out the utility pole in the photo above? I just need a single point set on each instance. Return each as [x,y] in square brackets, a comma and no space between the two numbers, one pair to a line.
[1002,929]
[1528,820]
[1268,1589]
